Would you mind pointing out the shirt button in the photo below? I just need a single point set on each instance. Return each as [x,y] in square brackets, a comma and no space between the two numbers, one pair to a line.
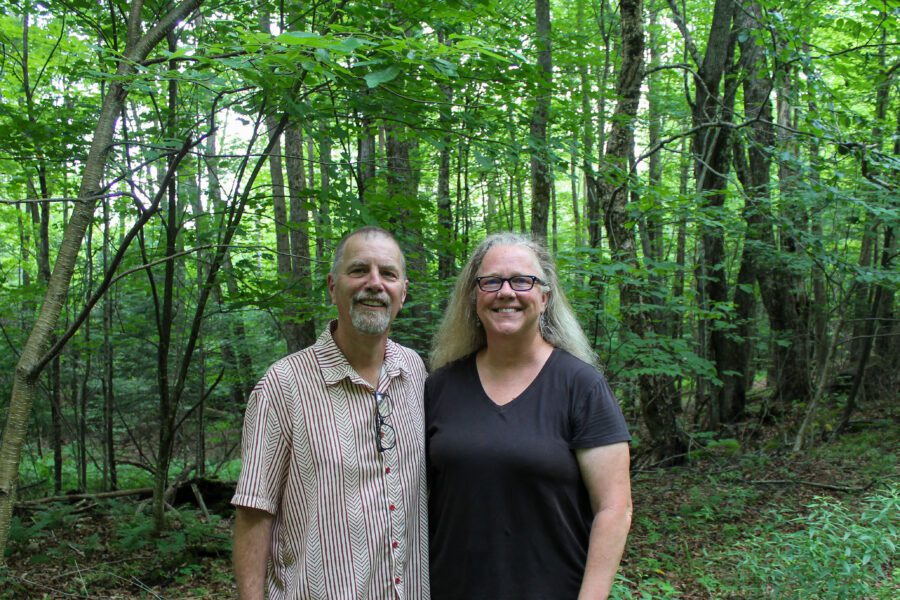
[397,581]
[392,507]
[395,545]
[387,470]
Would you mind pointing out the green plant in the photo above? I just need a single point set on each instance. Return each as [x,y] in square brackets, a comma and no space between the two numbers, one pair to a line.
[652,588]
[33,529]
[837,552]
[716,501]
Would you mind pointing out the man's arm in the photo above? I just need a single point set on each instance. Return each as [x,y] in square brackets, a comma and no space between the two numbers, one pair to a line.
[252,543]
[605,470]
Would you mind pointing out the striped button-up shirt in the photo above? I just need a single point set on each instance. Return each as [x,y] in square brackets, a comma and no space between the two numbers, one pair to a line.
[350,521]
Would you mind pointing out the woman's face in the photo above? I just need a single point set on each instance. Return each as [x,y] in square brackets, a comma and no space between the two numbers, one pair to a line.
[506,311]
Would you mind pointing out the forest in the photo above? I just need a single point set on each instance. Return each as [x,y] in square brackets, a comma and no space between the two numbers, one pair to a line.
[718,180]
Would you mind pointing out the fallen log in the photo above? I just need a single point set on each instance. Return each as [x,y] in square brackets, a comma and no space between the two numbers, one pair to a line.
[93,496]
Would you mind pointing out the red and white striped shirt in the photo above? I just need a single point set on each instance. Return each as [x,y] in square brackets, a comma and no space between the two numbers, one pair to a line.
[350,522]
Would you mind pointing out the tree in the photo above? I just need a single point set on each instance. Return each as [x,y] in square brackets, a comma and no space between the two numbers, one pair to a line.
[541,169]
[33,357]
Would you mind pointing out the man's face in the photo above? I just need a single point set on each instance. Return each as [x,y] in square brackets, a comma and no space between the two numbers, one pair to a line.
[369,285]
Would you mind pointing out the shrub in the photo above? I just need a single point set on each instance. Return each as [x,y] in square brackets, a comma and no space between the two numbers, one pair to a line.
[834,552]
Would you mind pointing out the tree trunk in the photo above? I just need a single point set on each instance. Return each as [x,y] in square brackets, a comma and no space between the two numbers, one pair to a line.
[40,215]
[886,344]
[168,402]
[541,168]
[298,323]
[711,113]
[202,238]
[365,171]
[657,392]
[290,329]
[110,475]
[587,124]
[573,183]
[83,394]
[783,292]
[234,355]
[446,257]
[753,170]
[322,219]
[821,342]
[402,188]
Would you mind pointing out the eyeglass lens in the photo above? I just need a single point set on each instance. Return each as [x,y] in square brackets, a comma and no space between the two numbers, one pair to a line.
[385,437]
[519,283]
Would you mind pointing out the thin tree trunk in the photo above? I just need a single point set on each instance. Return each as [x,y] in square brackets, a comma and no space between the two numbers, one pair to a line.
[446,257]
[110,474]
[573,182]
[202,237]
[587,126]
[554,224]
[541,169]
[234,355]
[365,172]
[323,225]
[445,233]
[402,187]
[40,215]
[84,393]
[301,326]
[820,298]
[168,404]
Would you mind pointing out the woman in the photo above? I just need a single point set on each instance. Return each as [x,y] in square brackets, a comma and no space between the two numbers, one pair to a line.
[530,494]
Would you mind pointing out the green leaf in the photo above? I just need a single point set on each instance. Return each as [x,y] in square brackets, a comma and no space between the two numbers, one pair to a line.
[303,38]
[378,77]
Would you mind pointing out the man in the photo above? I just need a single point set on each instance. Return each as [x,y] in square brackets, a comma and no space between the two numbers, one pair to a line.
[331,498]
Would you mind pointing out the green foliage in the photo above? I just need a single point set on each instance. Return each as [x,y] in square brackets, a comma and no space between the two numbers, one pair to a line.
[838,550]
[39,526]
[119,538]
[867,446]
[710,445]
[649,588]
[189,533]
[717,501]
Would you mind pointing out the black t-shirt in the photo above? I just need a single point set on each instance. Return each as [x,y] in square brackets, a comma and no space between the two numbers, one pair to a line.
[509,516]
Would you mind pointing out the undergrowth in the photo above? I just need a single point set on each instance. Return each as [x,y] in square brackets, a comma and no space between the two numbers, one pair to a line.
[837,550]
[745,519]
[110,545]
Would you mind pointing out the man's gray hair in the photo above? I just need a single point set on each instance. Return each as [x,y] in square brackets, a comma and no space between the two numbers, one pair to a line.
[367,231]
[460,333]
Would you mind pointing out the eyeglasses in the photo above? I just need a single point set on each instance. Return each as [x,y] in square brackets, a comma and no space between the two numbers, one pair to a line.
[518,283]
[385,437]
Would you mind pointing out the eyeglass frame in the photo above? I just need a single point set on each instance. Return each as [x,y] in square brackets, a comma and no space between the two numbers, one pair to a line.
[534,280]
[383,399]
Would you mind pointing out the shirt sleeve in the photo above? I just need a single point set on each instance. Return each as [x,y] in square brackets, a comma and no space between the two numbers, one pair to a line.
[265,447]
[597,419]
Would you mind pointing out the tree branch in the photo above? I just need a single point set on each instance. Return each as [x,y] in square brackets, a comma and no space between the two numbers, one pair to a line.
[117,259]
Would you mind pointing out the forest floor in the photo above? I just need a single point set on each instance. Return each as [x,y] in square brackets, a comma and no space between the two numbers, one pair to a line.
[688,537]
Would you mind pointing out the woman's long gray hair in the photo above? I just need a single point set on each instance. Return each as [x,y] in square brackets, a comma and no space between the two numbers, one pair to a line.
[460,333]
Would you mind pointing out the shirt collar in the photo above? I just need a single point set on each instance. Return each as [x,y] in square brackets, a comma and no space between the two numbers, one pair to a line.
[335,367]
